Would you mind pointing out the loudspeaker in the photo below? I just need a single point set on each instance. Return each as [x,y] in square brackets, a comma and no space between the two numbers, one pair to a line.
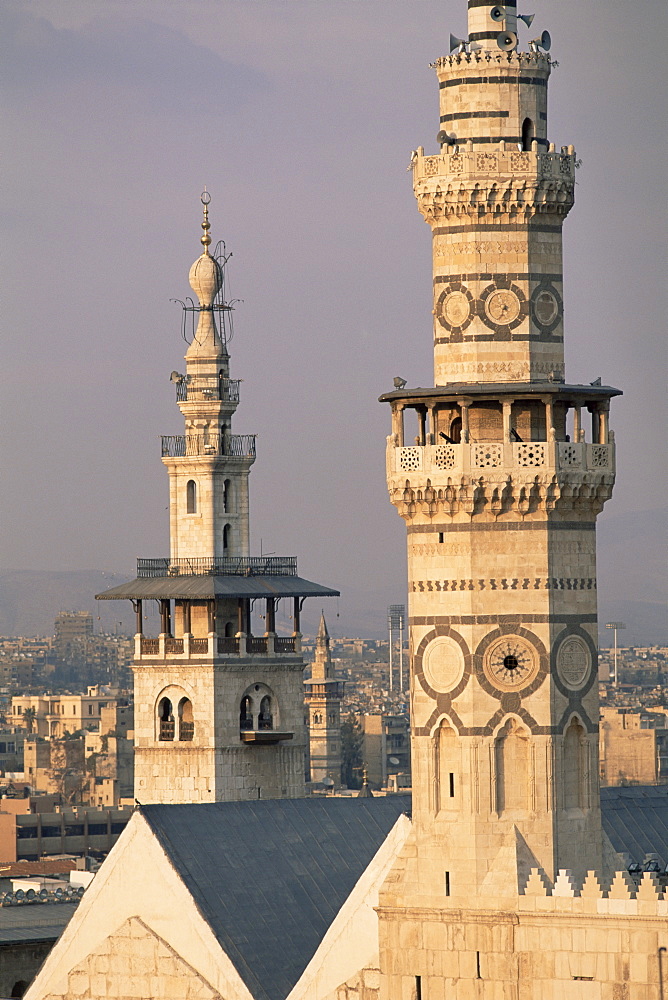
[527,18]
[506,41]
[455,42]
[444,139]
[498,13]
[544,42]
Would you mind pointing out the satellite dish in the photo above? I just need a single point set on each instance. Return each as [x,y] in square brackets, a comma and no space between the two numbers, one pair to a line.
[394,760]
[445,139]
[457,43]
[527,18]
[20,894]
[31,894]
[544,42]
[498,13]
[59,893]
[43,894]
[506,41]
[328,782]
[80,891]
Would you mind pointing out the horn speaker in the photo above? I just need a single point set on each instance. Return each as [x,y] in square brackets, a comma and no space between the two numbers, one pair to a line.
[506,41]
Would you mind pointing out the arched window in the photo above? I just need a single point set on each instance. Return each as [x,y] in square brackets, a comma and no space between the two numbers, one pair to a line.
[186,721]
[229,629]
[332,718]
[512,768]
[448,763]
[165,720]
[191,497]
[246,713]
[227,496]
[226,538]
[456,430]
[573,766]
[527,134]
[317,719]
[265,720]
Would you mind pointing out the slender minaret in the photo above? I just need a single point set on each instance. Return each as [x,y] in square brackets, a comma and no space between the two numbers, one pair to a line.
[323,694]
[219,711]
[499,483]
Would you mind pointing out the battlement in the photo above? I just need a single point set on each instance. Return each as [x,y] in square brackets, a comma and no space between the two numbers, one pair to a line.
[480,58]
[618,895]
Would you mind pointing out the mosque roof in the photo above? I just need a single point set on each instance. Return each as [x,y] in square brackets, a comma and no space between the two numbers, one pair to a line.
[635,819]
[201,588]
[270,877]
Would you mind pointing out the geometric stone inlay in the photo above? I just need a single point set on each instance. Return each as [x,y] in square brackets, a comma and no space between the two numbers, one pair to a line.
[443,664]
[573,662]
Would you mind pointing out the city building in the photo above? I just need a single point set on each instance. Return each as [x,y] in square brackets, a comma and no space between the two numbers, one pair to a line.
[633,747]
[386,749]
[219,710]
[323,694]
[509,882]
[73,632]
[34,826]
[57,714]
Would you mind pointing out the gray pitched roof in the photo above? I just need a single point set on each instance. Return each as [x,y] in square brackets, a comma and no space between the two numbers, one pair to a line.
[34,921]
[270,877]
[207,587]
[636,820]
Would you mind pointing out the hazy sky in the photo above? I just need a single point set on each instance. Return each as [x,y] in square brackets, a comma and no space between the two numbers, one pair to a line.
[299,116]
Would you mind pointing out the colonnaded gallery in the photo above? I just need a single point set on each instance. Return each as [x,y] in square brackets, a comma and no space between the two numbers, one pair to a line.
[506,877]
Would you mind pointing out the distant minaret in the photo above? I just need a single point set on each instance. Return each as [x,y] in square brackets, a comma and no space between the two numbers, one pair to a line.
[218,710]
[323,694]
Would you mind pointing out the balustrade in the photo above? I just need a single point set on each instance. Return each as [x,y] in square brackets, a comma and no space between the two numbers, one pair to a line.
[463,458]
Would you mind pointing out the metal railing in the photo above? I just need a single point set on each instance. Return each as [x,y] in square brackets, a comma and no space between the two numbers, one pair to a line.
[199,645]
[149,646]
[219,566]
[174,646]
[256,644]
[207,387]
[194,445]
[228,644]
[284,645]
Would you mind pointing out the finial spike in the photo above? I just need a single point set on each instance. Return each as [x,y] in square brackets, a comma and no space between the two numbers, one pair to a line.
[205,198]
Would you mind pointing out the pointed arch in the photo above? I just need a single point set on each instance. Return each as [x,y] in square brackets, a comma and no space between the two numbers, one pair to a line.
[573,764]
[528,134]
[511,759]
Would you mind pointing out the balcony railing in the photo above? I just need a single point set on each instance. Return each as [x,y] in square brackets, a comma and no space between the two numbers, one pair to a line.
[196,445]
[198,388]
[219,566]
[221,645]
[256,644]
[497,454]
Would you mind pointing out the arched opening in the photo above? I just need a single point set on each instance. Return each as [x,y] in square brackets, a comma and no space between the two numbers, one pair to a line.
[448,764]
[573,766]
[246,713]
[512,768]
[227,496]
[265,719]
[226,538]
[19,988]
[186,721]
[191,497]
[528,134]
[317,719]
[456,430]
[165,720]
[332,718]
[229,630]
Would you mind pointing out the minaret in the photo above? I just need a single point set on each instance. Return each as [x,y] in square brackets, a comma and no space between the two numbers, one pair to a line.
[218,710]
[500,484]
[323,694]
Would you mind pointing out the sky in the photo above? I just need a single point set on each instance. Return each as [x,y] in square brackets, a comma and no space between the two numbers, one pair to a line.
[299,116]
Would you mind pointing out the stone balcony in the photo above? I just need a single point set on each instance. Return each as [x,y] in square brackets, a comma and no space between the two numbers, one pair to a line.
[496,163]
[475,458]
[186,647]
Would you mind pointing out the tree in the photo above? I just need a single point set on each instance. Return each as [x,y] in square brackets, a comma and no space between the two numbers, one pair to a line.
[351,751]
[29,718]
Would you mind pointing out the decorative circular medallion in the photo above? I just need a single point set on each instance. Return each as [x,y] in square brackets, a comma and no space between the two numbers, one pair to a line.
[510,663]
[454,307]
[443,664]
[546,307]
[503,306]
[573,662]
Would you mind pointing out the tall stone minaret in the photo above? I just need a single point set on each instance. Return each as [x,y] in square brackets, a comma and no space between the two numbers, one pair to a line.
[499,482]
[219,711]
[323,694]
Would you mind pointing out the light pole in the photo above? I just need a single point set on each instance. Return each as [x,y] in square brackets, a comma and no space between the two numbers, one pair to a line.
[615,626]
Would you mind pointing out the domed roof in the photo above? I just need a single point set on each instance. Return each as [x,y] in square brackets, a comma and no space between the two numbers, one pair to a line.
[205,278]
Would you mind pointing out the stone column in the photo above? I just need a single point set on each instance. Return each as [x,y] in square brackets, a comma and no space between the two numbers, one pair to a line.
[464,407]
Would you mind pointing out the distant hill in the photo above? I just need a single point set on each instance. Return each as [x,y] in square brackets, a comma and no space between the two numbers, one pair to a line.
[633,588]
